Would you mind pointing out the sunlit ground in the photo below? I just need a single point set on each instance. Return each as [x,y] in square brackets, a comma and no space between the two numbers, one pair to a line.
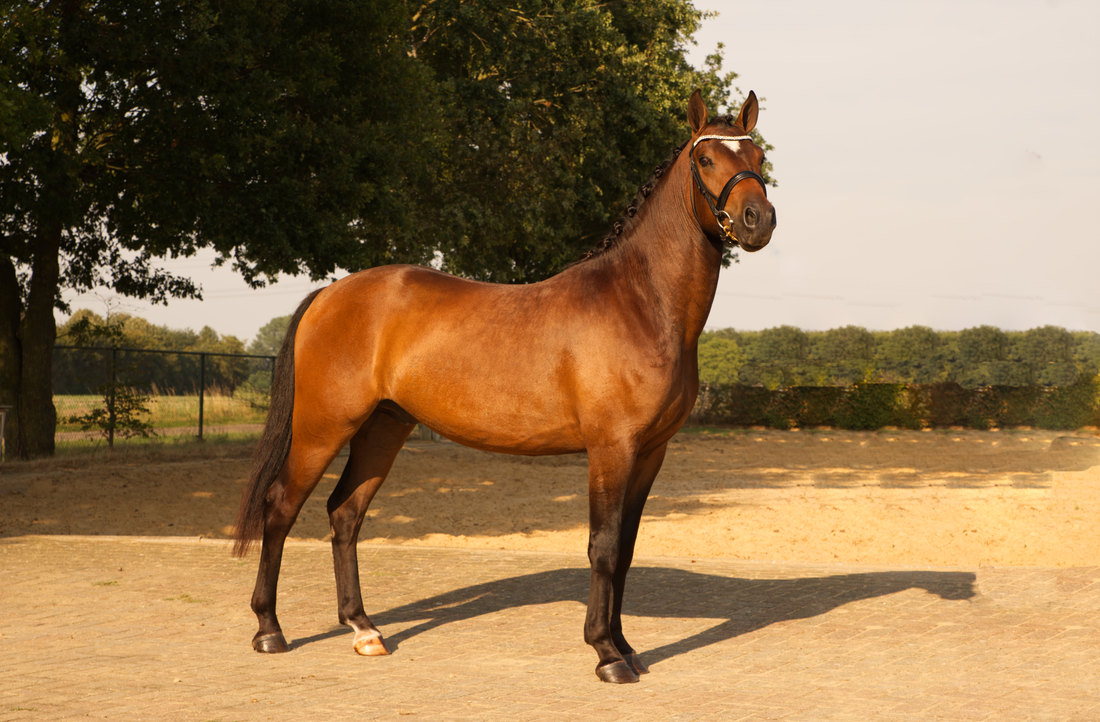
[942,498]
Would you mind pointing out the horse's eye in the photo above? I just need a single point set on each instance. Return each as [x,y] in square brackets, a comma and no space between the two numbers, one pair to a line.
[704,161]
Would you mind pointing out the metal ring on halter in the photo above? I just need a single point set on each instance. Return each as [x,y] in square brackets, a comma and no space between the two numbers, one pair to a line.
[727,227]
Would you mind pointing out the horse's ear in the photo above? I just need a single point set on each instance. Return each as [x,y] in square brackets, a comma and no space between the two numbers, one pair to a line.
[697,112]
[749,110]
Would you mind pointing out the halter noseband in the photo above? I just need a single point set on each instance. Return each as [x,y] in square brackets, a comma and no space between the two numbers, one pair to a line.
[717,203]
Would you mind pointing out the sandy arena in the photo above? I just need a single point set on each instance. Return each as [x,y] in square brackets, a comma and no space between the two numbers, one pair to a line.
[931,498]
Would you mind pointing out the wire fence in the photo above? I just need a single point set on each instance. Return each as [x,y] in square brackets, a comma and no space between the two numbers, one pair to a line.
[111,395]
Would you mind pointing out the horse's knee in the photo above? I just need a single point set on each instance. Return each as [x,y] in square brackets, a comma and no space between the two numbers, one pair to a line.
[340,513]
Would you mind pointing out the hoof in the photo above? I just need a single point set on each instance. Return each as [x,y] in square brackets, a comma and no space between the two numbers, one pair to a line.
[371,647]
[616,673]
[636,662]
[273,643]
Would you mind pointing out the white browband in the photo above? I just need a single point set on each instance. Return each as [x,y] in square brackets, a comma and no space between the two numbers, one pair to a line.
[701,138]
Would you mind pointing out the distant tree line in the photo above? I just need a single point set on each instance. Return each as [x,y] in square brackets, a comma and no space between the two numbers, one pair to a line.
[80,372]
[978,357]
[914,377]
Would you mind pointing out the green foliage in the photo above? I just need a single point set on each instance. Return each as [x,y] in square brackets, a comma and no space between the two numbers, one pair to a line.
[912,343]
[121,414]
[302,137]
[123,408]
[982,345]
[914,354]
[975,358]
[1049,352]
[848,343]
[868,406]
[914,406]
[552,115]
[77,372]
[149,129]
[911,378]
[776,357]
[783,343]
[259,382]
[1047,344]
[269,339]
[983,359]
[719,359]
[1086,352]
[497,137]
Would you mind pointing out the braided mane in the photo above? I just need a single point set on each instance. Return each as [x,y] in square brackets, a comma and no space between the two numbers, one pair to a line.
[613,236]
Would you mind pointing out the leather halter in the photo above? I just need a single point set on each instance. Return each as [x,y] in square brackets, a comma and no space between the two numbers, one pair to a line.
[717,203]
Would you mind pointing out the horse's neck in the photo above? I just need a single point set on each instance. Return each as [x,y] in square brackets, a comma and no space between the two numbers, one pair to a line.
[672,261]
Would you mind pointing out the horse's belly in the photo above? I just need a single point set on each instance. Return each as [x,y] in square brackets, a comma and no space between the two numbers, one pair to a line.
[494,411]
[504,433]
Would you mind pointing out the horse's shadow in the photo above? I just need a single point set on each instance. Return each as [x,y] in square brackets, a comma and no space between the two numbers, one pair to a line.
[742,605]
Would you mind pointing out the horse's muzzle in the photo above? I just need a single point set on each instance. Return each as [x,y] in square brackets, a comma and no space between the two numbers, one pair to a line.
[755,224]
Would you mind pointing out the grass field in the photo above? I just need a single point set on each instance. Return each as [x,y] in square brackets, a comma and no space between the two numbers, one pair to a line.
[171,411]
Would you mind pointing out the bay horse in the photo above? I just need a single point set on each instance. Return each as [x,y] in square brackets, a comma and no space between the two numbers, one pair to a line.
[601,358]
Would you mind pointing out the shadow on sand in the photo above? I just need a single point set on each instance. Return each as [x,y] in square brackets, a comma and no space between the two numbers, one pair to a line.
[741,605]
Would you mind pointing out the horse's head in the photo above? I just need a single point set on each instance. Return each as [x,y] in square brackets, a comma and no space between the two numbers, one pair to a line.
[725,165]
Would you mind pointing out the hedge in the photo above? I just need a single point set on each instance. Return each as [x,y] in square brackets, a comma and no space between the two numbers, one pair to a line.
[911,406]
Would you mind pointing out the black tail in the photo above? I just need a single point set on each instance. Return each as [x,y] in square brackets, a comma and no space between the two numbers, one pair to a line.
[274,445]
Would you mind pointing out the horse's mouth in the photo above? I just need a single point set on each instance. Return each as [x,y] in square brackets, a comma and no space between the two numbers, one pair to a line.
[751,247]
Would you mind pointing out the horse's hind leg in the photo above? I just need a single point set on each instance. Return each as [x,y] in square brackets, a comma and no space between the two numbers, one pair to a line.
[373,451]
[299,476]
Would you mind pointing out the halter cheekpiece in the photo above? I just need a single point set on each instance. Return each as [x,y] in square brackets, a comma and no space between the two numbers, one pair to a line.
[717,203]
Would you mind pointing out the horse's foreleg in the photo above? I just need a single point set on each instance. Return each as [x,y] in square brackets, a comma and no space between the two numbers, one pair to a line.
[289,491]
[641,480]
[373,451]
[609,472]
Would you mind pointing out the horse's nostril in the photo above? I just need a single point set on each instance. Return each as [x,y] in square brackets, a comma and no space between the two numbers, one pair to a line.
[751,217]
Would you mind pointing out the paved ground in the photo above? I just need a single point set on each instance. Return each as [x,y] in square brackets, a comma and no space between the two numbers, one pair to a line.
[139,629]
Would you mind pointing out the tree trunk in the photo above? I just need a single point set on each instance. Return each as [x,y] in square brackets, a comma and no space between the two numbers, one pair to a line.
[10,358]
[37,415]
[56,208]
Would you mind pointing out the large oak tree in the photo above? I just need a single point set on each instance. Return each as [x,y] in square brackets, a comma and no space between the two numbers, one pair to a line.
[497,138]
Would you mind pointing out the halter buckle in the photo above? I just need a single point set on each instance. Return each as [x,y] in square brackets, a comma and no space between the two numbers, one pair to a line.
[725,223]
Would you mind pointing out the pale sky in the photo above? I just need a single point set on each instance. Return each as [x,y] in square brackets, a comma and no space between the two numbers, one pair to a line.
[938,164]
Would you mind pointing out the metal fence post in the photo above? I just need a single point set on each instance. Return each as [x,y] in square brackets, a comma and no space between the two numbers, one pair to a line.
[202,388]
[3,418]
[111,398]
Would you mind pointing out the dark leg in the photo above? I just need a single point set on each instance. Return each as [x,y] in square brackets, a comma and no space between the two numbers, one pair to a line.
[299,476]
[641,480]
[373,451]
[609,472]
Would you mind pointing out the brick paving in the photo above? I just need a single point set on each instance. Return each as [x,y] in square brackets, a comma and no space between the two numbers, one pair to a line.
[140,628]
